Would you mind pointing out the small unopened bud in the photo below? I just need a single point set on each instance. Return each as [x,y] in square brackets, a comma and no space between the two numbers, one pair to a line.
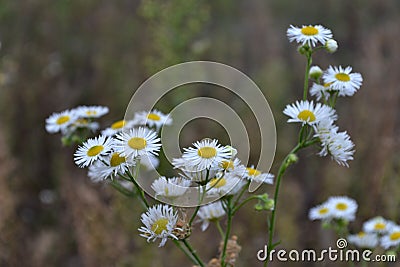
[269,205]
[315,72]
[258,207]
[303,49]
[331,46]
[292,158]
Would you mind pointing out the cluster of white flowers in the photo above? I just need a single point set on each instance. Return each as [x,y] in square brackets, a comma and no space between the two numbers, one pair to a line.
[338,207]
[377,231]
[328,85]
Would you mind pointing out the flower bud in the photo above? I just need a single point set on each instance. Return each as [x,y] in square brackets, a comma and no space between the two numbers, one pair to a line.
[315,72]
[331,46]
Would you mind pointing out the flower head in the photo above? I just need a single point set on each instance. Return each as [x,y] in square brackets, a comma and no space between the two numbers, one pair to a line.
[331,46]
[210,213]
[364,240]
[309,35]
[112,165]
[91,111]
[378,225]
[343,80]
[154,118]
[315,72]
[159,222]
[253,174]
[170,188]
[308,113]
[206,154]
[60,121]
[392,238]
[320,212]
[342,207]
[137,142]
[225,185]
[320,91]
[93,149]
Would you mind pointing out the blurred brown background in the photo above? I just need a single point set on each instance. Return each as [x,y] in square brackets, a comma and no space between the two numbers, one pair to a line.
[59,54]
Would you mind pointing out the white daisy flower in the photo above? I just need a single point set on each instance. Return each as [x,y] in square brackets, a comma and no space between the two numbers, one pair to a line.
[60,121]
[343,80]
[225,185]
[364,240]
[137,142]
[91,111]
[308,113]
[171,187]
[320,91]
[193,172]
[331,46]
[315,72]
[206,154]
[253,174]
[116,164]
[83,123]
[154,118]
[320,212]
[309,35]
[342,207]
[210,213]
[392,239]
[160,222]
[117,127]
[378,225]
[340,147]
[93,149]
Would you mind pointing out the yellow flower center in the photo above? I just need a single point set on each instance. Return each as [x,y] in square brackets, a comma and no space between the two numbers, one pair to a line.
[118,124]
[323,211]
[343,77]
[159,226]
[137,143]
[253,172]
[153,117]
[380,226]
[361,234]
[306,115]
[116,160]
[91,112]
[395,236]
[81,122]
[341,206]
[326,85]
[62,120]
[94,151]
[227,164]
[207,152]
[217,182]
[309,30]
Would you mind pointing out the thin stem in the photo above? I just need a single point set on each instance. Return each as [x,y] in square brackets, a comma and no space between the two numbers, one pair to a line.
[193,252]
[121,189]
[306,77]
[220,229]
[202,194]
[235,209]
[190,256]
[141,193]
[228,230]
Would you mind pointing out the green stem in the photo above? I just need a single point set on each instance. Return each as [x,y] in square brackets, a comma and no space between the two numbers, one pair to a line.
[235,209]
[121,189]
[138,188]
[193,252]
[306,77]
[285,164]
[190,256]
[228,229]
[220,229]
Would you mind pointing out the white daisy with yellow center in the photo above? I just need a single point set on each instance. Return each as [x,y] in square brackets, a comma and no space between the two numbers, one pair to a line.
[155,118]
[378,225]
[364,240]
[252,174]
[321,91]
[117,127]
[170,188]
[159,222]
[91,111]
[137,142]
[308,113]
[343,80]
[116,164]
[224,185]
[309,35]
[210,213]
[320,212]
[342,207]
[206,154]
[93,149]
[392,238]
[60,121]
